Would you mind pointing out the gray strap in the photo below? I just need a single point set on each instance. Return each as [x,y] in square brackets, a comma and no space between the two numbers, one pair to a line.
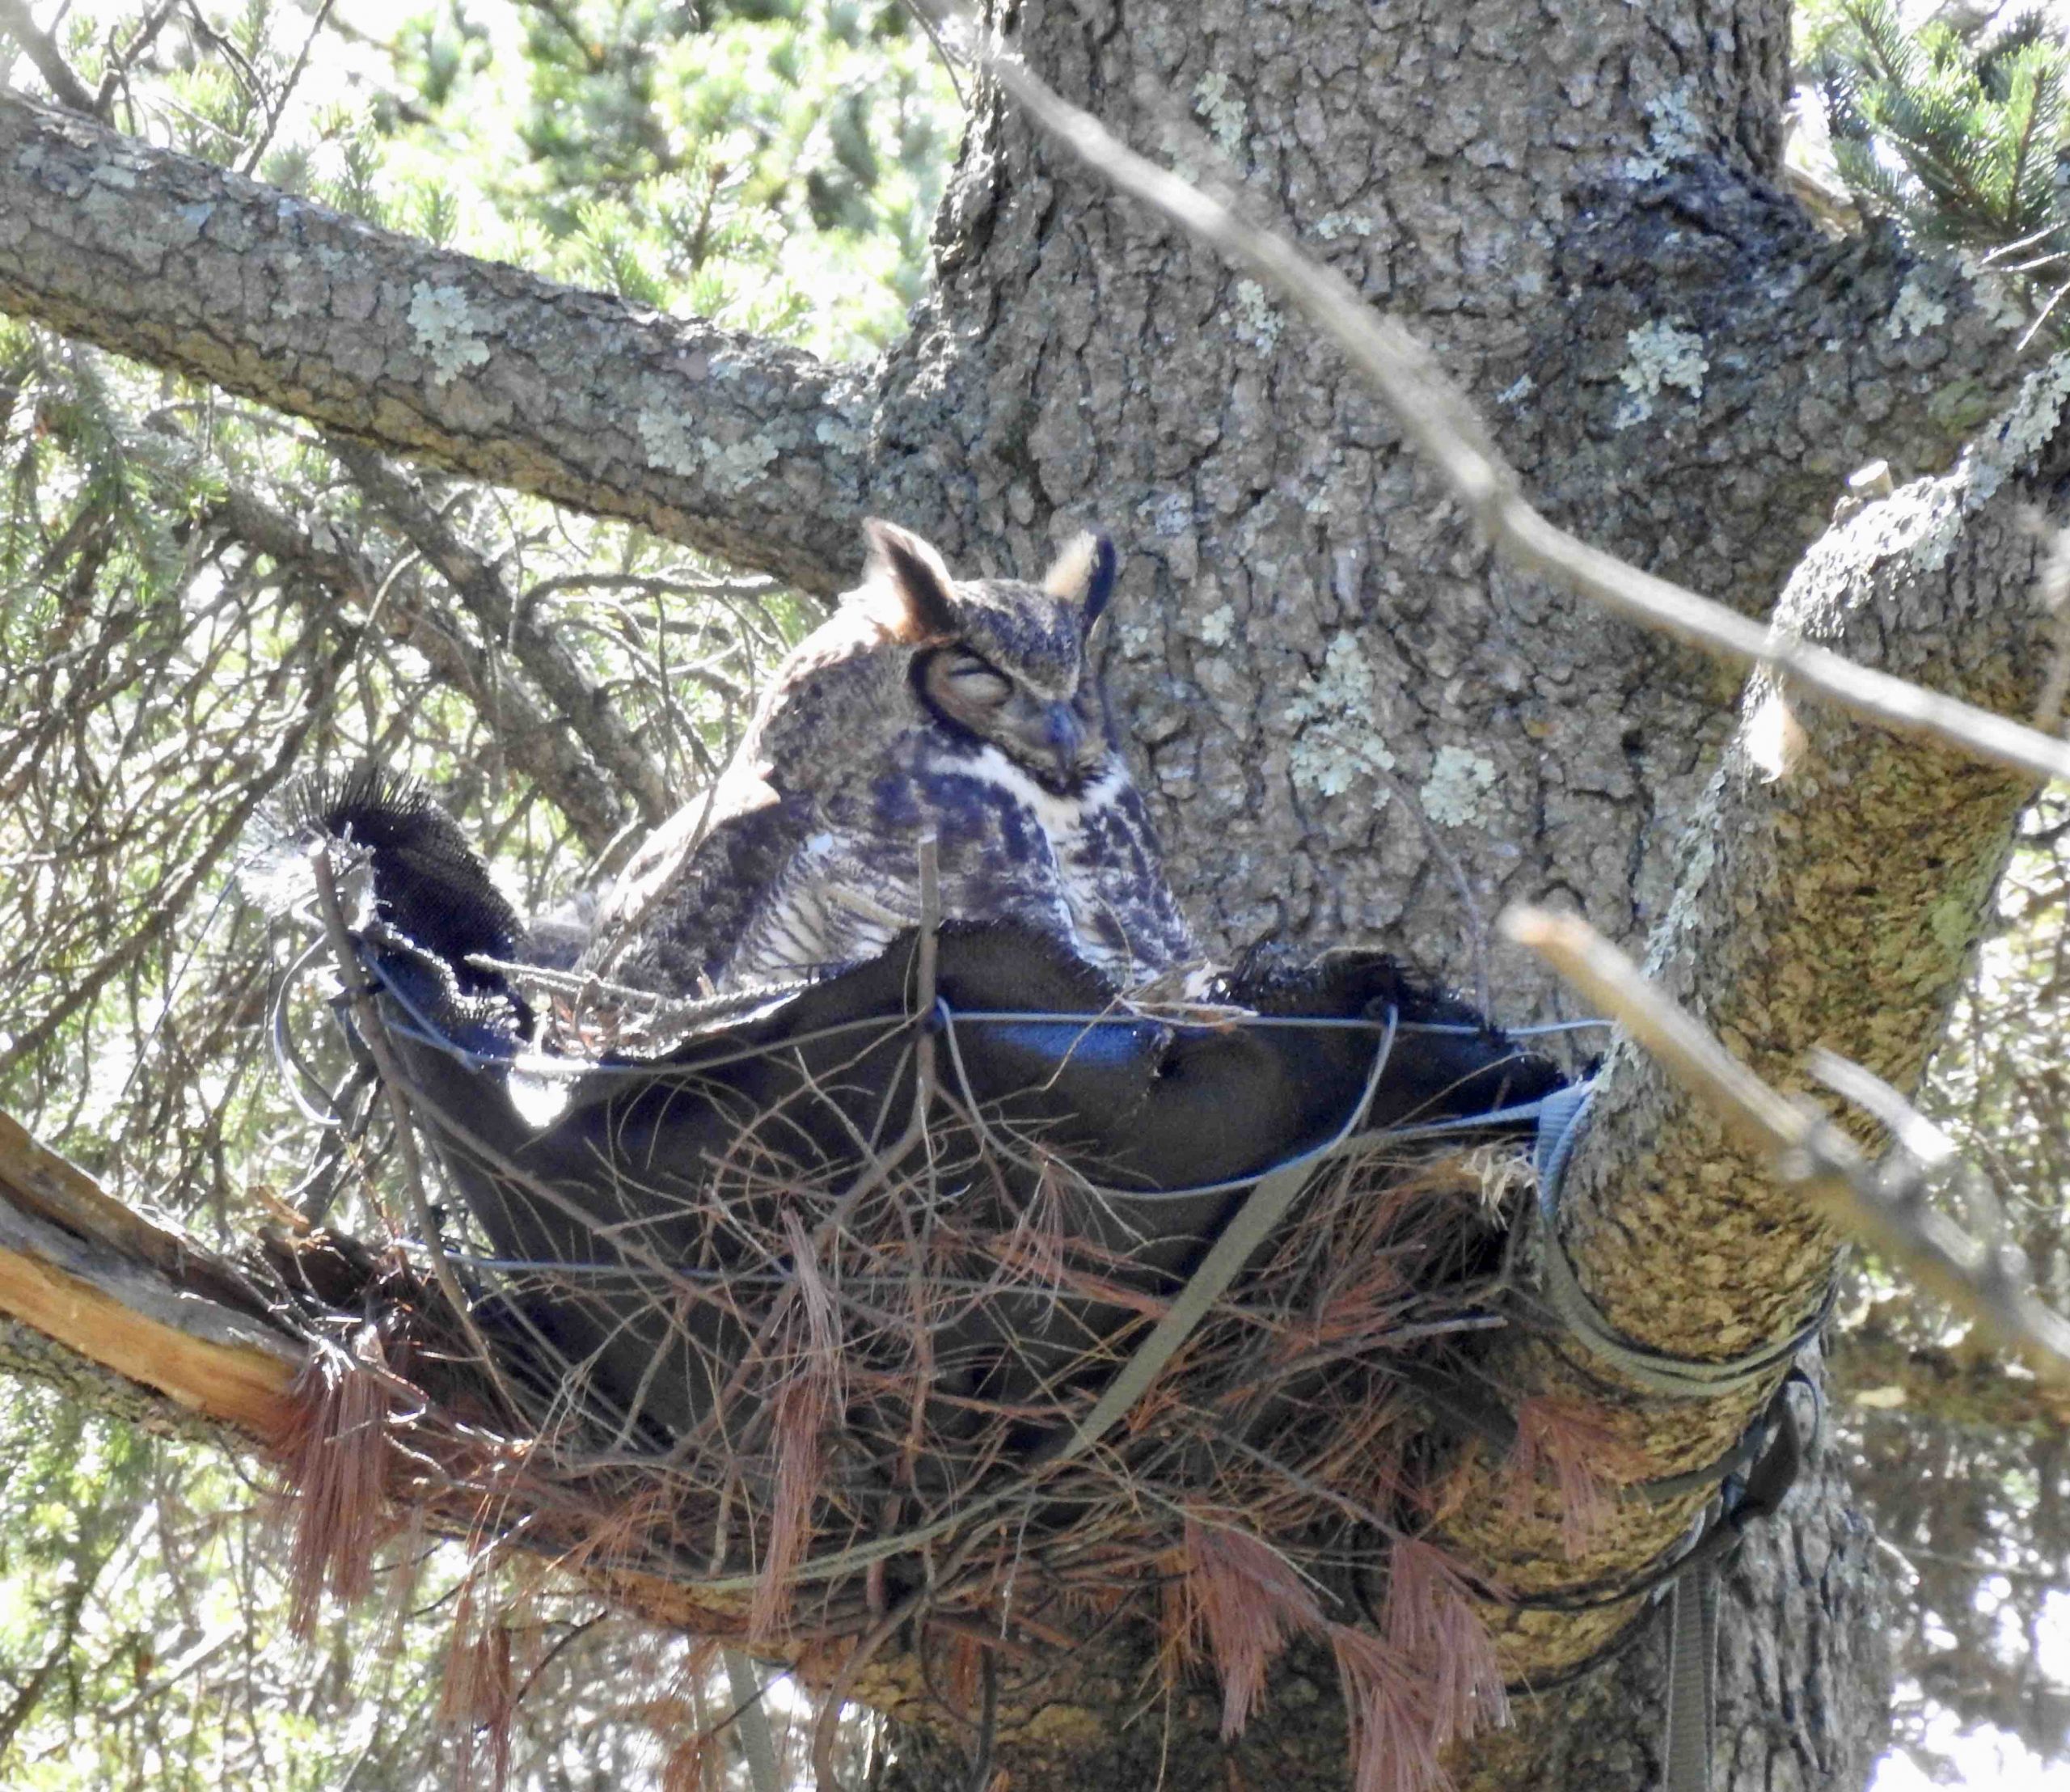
[1691,1680]
[1263,1208]
[751,1722]
[1562,1119]
[1676,1377]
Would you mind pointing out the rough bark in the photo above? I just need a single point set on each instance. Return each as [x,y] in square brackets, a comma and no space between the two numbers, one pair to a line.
[1345,716]
[745,448]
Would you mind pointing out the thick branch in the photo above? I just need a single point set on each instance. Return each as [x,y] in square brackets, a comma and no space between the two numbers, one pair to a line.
[1830,885]
[738,446]
[109,1285]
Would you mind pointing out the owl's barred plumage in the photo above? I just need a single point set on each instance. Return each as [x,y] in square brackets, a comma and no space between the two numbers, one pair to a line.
[972,709]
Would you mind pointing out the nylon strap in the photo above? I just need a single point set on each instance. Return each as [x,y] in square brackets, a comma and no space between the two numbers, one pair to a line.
[1693,1582]
[1691,1680]
[751,1722]
[1560,1124]
[1263,1208]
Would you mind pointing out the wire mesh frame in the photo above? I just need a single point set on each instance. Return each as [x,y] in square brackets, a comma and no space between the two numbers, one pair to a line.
[859,1431]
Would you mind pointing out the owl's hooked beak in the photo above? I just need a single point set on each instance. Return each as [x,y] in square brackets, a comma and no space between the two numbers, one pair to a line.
[1063,733]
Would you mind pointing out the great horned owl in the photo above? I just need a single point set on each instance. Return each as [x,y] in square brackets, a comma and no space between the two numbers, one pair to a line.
[969,707]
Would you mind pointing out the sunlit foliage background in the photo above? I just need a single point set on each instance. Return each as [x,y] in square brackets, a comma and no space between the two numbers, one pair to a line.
[199,602]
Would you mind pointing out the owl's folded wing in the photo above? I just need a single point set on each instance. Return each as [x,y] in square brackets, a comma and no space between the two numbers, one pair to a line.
[692,889]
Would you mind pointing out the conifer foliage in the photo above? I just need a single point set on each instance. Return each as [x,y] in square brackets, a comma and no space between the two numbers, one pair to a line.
[1956,134]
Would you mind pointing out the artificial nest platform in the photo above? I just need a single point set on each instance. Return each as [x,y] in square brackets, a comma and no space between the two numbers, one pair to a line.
[952,1288]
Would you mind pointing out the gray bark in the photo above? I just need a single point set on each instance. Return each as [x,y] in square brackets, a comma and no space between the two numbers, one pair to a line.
[745,448]
[1344,714]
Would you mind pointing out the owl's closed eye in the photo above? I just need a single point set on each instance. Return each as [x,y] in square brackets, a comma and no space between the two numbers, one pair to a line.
[970,711]
[1010,665]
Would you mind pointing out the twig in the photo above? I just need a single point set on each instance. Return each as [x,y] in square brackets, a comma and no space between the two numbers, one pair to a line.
[116,74]
[277,110]
[927,24]
[1990,1286]
[824,1728]
[1436,417]
[65,86]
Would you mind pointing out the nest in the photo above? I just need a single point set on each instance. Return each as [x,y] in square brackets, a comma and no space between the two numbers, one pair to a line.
[823,1327]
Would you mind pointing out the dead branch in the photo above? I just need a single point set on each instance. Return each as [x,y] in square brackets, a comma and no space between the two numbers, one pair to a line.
[134,1297]
[1437,416]
[1990,1287]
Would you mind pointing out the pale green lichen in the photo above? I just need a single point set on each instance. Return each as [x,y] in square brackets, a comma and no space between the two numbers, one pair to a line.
[1952,920]
[1451,795]
[1517,391]
[1257,324]
[1995,296]
[1660,354]
[448,334]
[1222,110]
[665,433]
[1334,224]
[1931,511]
[843,436]
[1674,133]
[1169,514]
[1916,312]
[734,466]
[1216,628]
[1337,744]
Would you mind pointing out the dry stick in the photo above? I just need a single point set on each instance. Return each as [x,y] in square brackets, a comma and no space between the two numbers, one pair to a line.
[1436,417]
[1806,1151]
[829,1719]
[882,1165]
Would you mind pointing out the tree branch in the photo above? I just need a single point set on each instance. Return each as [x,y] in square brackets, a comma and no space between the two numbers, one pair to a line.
[20,23]
[149,1304]
[740,447]
[1877,1368]
[480,585]
[1831,882]
[1806,1151]
[534,741]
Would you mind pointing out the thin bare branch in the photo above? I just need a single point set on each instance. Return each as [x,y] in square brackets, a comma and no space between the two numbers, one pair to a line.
[20,23]
[1990,1287]
[480,585]
[1436,417]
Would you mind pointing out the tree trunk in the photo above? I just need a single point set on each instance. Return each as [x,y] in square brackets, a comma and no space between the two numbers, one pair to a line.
[1351,724]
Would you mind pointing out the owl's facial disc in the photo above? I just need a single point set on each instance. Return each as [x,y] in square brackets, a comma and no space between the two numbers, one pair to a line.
[1058,743]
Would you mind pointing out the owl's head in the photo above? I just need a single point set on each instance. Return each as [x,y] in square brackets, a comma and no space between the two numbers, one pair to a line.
[1007,663]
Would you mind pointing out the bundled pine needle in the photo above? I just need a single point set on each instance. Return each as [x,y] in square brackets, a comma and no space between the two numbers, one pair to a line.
[886,1376]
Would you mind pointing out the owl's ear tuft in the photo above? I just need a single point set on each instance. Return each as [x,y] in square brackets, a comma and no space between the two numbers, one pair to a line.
[915,576]
[1083,574]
